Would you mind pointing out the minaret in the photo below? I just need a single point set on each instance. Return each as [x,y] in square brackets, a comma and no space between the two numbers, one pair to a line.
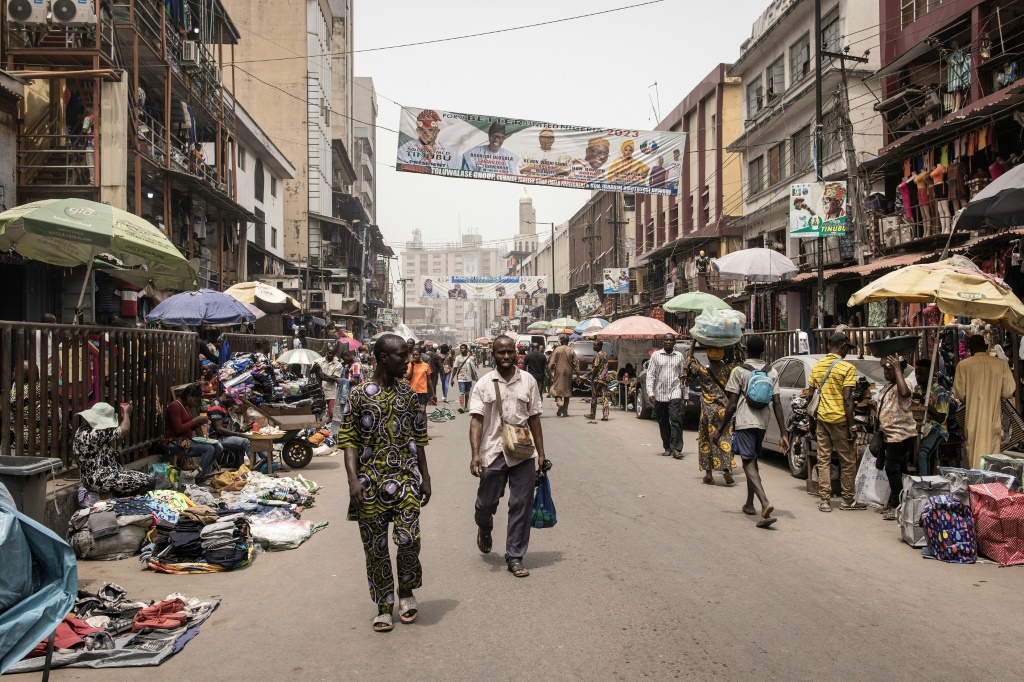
[526,240]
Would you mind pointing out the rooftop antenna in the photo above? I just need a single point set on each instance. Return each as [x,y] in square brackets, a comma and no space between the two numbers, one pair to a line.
[655,101]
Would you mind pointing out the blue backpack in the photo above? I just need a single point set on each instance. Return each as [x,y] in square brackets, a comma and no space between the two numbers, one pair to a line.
[949,529]
[760,388]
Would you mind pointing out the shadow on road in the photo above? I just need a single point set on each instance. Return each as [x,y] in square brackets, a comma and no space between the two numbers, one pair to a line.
[431,612]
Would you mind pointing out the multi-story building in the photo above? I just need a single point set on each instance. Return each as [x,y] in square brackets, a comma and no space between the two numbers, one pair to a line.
[599,236]
[364,157]
[456,319]
[541,263]
[132,106]
[671,230]
[776,66]
[261,171]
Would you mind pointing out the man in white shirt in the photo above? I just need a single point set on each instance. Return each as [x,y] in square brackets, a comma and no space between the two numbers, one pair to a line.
[546,162]
[429,291]
[675,170]
[490,157]
[663,373]
[521,405]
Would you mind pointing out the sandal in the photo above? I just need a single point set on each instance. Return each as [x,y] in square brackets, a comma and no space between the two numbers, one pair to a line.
[407,610]
[483,541]
[889,515]
[824,506]
[383,623]
[708,480]
[728,477]
[766,517]
[516,568]
[749,510]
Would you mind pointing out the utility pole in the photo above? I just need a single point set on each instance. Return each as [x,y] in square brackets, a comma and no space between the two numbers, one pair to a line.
[615,246]
[819,46]
[589,239]
[850,155]
[405,295]
[551,287]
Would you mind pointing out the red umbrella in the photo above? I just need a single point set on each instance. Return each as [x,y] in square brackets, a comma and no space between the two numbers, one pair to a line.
[635,327]
[353,344]
[483,340]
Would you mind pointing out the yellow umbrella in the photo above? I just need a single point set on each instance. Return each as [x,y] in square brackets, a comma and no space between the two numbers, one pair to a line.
[956,286]
[265,297]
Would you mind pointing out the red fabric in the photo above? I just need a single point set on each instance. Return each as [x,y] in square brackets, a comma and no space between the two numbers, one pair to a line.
[999,522]
[69,634]
[177,421]
[129,294]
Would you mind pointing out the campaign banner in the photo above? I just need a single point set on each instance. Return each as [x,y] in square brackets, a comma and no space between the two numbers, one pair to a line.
[524,151]
[588,304]
[616,280]
[526,290]
[386,317]
[817,209]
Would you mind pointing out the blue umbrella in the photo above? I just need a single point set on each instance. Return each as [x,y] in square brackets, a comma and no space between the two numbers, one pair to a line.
[591,325]
[206,306]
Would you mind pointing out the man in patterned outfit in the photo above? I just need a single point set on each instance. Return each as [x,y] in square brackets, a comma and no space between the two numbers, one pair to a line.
[384,434]
[599,383]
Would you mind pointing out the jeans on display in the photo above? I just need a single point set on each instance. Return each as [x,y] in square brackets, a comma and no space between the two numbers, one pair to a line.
[204,451]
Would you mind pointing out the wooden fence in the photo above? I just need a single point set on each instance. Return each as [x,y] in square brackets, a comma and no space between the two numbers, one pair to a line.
[860,336]
[777,344]
[54,371]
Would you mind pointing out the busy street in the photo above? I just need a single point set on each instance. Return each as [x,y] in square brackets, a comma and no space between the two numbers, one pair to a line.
[648,574]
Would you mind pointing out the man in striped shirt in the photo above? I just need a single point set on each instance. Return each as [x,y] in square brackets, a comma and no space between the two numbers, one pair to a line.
[835,378]
[663,372]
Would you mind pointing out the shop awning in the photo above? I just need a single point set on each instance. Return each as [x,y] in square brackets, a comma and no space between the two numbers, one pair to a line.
[988,240]
[860,270]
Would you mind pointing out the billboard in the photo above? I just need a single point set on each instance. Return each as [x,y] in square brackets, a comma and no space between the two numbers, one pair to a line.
[588,304]
[529,152]
[616,280]
[817,209]
[527,290]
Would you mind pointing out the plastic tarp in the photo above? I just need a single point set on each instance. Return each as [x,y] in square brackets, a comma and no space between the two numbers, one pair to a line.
[38,583]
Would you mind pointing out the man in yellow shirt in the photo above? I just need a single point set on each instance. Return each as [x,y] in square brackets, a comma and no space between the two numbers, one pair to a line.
[835,378]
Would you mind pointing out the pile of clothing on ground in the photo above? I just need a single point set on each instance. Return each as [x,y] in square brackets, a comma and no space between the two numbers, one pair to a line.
[109,630]
[195,529]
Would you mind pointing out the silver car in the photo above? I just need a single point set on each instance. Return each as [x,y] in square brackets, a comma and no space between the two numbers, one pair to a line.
[794,370]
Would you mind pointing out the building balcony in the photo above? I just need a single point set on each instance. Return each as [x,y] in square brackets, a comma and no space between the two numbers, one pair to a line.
[364,159]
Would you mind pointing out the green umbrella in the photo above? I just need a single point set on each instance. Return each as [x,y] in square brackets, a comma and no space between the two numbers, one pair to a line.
[566,322]
[695,302]
[539,326]
[70,232]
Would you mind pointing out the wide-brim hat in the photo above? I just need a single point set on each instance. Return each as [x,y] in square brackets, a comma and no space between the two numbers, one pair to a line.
[100,416]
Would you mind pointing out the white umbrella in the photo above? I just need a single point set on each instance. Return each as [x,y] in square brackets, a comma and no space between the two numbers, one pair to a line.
[755,265]
[299,356]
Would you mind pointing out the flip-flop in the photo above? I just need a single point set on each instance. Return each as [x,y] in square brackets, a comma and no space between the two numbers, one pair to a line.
[517,569]
[728,478]
[749,510]
[407,610]
[765,522]
[383,623]
[767,511]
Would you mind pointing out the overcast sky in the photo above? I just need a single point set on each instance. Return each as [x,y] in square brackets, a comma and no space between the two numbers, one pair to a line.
[591,71]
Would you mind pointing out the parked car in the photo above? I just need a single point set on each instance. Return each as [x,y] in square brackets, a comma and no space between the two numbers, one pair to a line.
[585,352]
[794,371]
[689,407]
[523,343]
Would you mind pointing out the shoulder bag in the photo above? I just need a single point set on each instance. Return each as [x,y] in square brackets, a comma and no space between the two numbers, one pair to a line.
[516,441]
[812,406]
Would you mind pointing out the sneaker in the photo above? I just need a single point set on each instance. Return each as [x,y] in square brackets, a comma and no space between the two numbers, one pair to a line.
[824,506]
[852,506]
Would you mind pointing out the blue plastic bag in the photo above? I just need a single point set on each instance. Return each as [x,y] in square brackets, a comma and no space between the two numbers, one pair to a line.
[544,515]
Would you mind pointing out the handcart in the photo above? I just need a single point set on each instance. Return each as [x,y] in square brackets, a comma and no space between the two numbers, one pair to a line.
[296,451]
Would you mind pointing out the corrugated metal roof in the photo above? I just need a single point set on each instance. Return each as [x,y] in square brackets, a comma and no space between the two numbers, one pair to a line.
[866,269]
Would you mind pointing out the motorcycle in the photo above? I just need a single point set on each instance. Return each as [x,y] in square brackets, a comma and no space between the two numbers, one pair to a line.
[800,432]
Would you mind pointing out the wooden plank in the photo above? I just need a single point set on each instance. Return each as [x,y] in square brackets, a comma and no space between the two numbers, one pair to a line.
[32,407]
[7,379]
[18,386]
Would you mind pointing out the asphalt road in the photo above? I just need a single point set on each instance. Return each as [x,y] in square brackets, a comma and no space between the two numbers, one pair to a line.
[648,574]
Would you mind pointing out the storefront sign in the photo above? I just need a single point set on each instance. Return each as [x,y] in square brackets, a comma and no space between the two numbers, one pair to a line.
[817,209]
[528,290]
[531,152]
[616,280]
[588,304]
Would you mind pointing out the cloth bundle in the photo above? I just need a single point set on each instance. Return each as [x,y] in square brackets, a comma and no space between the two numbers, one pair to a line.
[226,542]
[111,535]
[277,534]
[718,328]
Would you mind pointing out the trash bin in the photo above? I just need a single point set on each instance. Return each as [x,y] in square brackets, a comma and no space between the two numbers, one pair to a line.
[25,478]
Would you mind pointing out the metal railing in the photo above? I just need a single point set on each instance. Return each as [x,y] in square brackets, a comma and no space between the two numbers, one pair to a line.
[860,336]
[64,369]
[56,159]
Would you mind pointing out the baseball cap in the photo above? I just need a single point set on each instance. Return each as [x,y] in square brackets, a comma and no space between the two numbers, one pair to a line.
[839,339]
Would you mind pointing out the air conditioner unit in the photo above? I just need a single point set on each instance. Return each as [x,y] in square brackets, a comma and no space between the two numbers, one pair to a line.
[27,11]
[189,52]
[74,12]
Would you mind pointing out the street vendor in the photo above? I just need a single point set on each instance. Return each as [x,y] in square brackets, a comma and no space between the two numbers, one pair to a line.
[233,443]
[98,461]
[179,425]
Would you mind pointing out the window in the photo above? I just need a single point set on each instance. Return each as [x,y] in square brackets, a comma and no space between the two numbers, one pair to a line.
[755,175]
[776,164]
[802,150]
[800,59]
[241,158]
[273,237]
[260,229]
[830,33]
[258,180]
[794,375]
[437,271]
[273,186]
[776,79]
[755,97]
